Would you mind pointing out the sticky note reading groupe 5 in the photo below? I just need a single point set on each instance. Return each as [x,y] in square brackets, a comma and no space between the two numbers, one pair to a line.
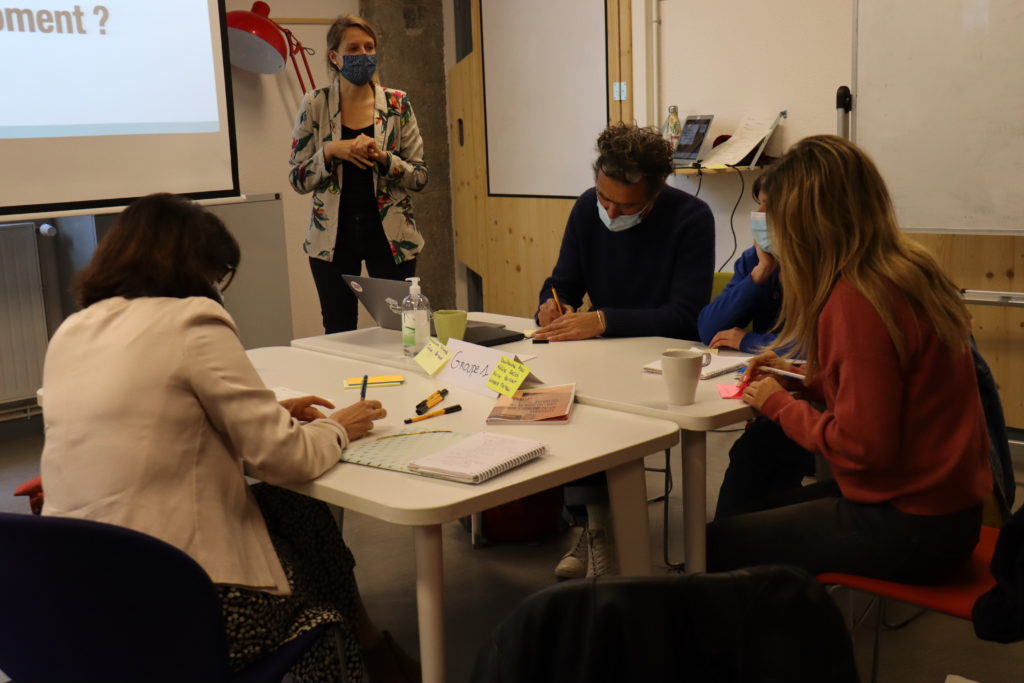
[433,356]
[507,376]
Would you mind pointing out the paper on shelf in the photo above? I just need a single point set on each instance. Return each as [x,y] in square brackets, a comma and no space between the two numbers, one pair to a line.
[747,137]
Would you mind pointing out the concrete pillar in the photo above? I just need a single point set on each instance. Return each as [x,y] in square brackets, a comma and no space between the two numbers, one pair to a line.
[411,49]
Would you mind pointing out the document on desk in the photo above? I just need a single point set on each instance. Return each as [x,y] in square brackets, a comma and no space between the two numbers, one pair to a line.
[719,365]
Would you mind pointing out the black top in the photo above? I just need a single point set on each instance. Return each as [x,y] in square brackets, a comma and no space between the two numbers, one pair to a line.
[357,192]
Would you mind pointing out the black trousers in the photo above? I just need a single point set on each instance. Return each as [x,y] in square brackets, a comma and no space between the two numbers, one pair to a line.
[763,462]
[768,518]
[360,238]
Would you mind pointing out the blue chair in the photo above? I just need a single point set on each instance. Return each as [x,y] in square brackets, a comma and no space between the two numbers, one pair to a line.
[84,601]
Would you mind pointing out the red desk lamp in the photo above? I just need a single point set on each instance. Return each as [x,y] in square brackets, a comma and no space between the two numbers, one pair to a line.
[258,43]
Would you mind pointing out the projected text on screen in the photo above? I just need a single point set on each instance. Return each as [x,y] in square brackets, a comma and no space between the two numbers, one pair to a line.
[123,67]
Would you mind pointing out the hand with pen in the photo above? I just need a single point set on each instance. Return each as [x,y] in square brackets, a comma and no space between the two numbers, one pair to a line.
[357,419]
[759,382]
[560,322]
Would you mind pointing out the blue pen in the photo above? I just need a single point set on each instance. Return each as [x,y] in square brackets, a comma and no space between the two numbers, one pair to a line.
[362,391]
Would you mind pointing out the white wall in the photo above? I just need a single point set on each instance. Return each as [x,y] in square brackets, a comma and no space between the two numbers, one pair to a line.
[738,57]
[265,108]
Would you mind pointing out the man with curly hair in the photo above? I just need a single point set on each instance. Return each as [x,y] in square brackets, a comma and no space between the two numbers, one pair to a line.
[644,253]
[642,250]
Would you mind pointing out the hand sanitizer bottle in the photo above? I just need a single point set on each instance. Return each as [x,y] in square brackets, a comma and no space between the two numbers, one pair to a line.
[415,319]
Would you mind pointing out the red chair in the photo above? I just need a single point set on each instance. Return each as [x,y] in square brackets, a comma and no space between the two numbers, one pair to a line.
[956,597]
[33,488]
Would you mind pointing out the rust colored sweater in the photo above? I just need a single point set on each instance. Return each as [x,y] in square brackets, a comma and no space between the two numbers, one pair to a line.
[913,436]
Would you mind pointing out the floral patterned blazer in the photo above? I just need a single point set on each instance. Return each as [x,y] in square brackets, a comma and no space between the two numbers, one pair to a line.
[402,168]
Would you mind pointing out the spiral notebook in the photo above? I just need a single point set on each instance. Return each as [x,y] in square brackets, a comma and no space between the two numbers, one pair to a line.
[447,455]
[478,457]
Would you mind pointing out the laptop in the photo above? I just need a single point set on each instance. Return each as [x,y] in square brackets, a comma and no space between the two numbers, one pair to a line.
[383,299]
[695,128]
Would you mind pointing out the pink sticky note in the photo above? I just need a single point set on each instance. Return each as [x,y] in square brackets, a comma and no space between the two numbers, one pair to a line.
[729,390]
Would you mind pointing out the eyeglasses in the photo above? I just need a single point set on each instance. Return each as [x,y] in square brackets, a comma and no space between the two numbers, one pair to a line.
[225,280]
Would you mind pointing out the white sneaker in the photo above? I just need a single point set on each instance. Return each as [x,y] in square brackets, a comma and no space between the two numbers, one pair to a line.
[573,564]
[602,553]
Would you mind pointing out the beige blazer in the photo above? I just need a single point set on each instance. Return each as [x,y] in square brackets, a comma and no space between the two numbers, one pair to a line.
[151,409]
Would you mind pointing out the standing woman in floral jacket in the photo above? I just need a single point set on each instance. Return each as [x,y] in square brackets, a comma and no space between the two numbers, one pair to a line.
[357,148]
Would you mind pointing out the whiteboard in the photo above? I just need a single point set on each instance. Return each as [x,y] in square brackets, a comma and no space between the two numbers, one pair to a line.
[545,94]
[940,107]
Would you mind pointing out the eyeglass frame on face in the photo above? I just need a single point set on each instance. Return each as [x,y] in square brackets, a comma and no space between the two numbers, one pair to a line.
[225,280]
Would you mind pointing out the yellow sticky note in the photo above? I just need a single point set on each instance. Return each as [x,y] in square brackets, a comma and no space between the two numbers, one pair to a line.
[433,356]
[507,376]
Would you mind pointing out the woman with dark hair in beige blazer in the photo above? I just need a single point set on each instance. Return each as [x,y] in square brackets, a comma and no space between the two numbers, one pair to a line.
[152,412]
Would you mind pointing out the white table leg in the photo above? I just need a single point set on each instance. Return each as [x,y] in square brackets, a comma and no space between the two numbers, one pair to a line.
[430,601]
[627,492]
[695,465]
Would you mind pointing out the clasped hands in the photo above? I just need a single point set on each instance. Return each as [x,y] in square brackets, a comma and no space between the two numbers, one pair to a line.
[567,324]
[758,385]
[361,150]
[357,419]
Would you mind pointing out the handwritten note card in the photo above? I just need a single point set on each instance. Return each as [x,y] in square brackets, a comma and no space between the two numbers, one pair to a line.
[433,356]
[470,366]
[507,376]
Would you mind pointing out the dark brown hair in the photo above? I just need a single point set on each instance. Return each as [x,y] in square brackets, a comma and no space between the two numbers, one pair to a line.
[161,245]
[629,154]
[337,31]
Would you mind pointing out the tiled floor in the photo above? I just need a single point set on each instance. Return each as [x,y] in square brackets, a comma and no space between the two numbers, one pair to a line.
[483,585]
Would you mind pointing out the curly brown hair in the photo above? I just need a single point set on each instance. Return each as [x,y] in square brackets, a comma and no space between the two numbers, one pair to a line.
[629,154]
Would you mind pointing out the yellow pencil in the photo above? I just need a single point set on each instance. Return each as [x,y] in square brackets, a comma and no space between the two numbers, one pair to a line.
[558,304]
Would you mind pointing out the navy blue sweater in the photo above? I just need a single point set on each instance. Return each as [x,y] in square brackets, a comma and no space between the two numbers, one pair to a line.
[744,302]
[650,280]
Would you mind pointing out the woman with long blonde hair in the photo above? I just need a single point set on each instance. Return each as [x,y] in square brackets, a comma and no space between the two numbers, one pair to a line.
[890,397]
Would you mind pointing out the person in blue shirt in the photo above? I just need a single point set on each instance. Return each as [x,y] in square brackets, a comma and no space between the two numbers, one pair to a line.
[753,296]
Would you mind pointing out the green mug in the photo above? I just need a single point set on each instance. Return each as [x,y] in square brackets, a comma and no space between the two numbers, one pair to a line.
[449,325]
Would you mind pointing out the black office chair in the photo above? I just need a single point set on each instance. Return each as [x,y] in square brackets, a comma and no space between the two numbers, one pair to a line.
[84,601]
[759,625]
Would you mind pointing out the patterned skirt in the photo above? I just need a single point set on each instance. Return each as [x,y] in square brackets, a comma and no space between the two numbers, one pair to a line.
[319,567]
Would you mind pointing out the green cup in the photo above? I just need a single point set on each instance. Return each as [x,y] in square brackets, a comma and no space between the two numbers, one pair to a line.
[449,325]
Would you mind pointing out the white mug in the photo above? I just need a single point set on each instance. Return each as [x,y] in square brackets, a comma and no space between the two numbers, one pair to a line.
[681,370]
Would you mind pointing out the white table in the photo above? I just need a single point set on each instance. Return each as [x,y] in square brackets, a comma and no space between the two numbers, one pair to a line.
[594,440]
[608,373]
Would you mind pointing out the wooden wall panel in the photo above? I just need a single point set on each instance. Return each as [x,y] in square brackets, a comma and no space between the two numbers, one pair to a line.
[991,262]
[512,242]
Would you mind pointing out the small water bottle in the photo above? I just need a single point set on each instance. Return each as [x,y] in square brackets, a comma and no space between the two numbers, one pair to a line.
[415,319]
[672,128]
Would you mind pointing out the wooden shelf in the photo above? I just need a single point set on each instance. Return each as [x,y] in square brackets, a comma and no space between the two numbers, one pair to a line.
[715,168]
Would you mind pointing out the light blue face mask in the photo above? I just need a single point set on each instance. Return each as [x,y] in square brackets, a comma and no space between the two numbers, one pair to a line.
[358,69]
[619,223]
[759,229]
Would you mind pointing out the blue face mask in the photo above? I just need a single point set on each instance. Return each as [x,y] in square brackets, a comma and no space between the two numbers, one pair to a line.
[358,69]
[619,223]
[759,229]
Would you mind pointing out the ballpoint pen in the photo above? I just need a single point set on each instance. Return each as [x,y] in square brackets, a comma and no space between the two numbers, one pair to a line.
[444,411]
[431,401]
[362,391]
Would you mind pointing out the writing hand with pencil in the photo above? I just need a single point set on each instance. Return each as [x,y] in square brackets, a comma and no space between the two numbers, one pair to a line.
[573,326]
[552,309]
[759,383]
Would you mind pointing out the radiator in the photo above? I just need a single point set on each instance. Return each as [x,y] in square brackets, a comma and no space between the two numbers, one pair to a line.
[22,316]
